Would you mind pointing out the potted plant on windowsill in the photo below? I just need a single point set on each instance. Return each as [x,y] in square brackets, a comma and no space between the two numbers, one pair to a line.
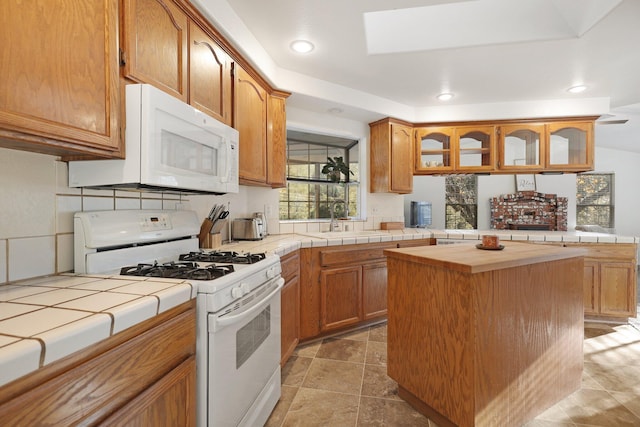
[335,168]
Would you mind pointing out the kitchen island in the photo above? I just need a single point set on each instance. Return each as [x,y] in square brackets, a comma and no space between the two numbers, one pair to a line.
[485,337]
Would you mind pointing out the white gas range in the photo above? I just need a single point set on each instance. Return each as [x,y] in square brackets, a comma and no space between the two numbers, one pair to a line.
[238,303]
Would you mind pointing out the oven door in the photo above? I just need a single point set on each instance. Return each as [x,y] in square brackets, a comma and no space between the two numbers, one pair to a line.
[244,358]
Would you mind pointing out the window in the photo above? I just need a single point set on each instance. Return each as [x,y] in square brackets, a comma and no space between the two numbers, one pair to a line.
[594,201]
[309,194]
[461,202]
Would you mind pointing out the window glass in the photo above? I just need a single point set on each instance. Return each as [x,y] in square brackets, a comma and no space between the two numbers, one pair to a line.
[594,199]
[461,202]
[309,193]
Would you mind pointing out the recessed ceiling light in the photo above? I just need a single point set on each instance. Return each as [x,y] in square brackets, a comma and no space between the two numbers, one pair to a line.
[577,89]
[445,96]
[335,110]
[301,46]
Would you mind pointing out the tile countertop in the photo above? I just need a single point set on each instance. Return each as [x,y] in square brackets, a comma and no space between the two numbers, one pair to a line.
[47,318]
[282,244]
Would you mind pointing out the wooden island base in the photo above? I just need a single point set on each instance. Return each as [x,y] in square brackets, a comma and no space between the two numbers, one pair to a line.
[485,338]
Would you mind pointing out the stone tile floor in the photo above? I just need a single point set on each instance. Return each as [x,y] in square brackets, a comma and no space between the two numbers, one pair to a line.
[342,381]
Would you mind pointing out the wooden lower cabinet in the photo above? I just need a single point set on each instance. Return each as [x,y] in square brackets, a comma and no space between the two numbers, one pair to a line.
[164,402]
[290,305]
[344,287]
[144,375]
[374,290]
[610,280]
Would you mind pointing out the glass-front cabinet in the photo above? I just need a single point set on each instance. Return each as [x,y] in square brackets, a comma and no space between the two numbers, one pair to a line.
[434,152]
[521,147]
[570,146]
[455,149]
[474,148]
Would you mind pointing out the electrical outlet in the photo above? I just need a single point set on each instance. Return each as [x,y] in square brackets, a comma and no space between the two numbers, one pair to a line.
[268,211]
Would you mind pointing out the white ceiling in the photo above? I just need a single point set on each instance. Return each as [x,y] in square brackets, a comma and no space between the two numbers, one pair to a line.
[500,58]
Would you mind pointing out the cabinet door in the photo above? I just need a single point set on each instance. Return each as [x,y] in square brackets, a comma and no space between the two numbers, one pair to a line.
[591,287]
[434,152]
[521,147]
[401,158]
[340,297]
[276,142]
[209,75]
[250,118]
[155,43]
[374,290]
[171,401]
[615,292]
[474,148]
[570,146]
[59,88]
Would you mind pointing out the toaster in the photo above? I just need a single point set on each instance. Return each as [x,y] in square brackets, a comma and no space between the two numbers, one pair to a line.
[247,229]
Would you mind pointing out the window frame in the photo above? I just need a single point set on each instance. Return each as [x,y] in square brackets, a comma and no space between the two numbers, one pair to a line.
[352,193]
[456,206]
[610,206]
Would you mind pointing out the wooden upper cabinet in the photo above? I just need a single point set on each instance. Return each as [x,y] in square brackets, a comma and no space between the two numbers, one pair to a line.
[59,89]
[521,147]
[250,118]
[391,157]
[570,146]
[474,148]
[277,141]
[155,35]
[434,150]
[209,75]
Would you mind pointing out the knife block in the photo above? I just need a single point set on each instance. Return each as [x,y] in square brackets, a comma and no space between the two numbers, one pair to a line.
[208,240]
[211,241]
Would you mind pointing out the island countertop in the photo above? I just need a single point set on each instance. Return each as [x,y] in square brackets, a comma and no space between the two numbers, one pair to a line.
[470,259]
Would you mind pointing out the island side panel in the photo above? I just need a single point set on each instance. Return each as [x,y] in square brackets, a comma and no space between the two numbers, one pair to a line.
[429,341]
[529,339]
[490,348]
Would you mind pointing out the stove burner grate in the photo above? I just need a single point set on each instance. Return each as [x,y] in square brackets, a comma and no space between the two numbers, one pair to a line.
[223,256]
[178,270]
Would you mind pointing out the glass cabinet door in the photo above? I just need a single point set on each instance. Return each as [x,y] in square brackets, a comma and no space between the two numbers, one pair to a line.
[521,147]
[433,152]
[570,146]
[475,148]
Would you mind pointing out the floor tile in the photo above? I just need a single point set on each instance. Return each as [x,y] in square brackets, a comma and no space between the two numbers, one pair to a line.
[378,333]
[343,349]
[376,353]
[388,413]
[320,408]
[376,383]
[334,375]
[598,408]
[295,370]
[323,385]
[307,350]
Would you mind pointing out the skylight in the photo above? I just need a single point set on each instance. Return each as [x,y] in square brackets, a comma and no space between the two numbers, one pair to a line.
[480,22]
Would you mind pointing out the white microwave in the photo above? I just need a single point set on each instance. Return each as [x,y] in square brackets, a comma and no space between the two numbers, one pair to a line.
[170,146]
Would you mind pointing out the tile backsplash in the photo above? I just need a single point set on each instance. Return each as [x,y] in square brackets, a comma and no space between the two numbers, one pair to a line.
[37,208]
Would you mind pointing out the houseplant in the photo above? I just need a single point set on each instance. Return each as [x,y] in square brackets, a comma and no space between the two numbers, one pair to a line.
[335,168]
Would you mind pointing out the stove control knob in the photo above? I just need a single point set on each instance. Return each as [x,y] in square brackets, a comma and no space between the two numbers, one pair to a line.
[245,288]
[272,272]
[237,292]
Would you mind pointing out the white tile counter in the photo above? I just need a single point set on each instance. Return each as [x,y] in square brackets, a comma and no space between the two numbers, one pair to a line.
[45,319]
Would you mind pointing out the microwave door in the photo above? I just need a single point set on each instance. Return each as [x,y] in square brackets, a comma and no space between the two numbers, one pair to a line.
[181,154]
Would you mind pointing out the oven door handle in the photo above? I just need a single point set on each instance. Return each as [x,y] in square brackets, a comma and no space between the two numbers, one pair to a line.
[224,321]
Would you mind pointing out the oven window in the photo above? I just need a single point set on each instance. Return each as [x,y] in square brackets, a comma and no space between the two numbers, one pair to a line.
[250,336]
